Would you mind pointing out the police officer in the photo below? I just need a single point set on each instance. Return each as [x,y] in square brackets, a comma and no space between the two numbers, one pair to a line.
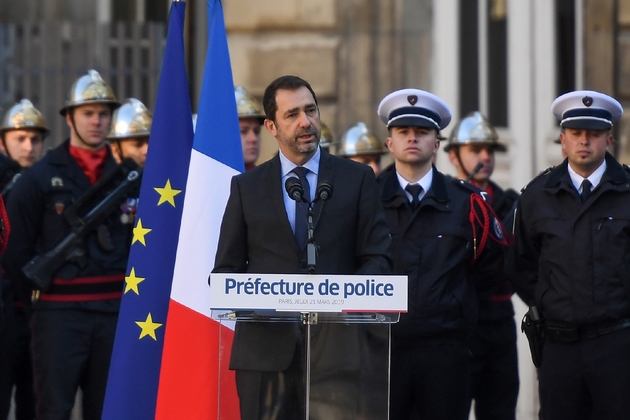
[360,145]
[73,320]
[22,134]
[250,119]
[471,148]
[129,136]
[445,256]
[572,261]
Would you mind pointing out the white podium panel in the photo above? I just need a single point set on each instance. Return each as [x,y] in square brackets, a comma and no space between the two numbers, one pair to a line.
[336,367]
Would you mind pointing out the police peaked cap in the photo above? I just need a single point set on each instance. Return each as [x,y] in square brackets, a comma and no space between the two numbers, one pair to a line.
[587,110]
[414,108]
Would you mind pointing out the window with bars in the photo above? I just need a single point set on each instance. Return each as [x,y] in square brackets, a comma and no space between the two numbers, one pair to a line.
[483,59]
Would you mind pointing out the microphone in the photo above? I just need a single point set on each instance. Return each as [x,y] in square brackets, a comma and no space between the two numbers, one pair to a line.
[324,191]
[294,189]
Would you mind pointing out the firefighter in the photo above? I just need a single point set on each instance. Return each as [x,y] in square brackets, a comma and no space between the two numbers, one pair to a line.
[129,136]
[22,133]
[74,319]
[250,119]
[360,145]
[326,141]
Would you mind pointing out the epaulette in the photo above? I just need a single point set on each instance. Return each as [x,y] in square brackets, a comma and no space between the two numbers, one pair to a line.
[466,185]
[543,173]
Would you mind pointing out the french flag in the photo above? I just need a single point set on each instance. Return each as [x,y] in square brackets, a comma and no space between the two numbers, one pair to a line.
[170,357]
[190,374]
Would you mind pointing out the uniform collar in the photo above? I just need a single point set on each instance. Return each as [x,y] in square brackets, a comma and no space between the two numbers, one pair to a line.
[392,188]
[594,178]
[425,182]
[614,173]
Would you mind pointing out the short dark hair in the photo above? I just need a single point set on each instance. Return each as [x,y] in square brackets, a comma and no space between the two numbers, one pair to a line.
[286,83]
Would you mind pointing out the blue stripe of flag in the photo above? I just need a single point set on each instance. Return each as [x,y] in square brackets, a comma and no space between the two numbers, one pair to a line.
[217,133]
[135,366]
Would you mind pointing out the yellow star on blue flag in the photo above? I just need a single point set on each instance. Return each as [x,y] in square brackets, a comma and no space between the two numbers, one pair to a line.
[148,327]
[139,233]
[167,194]
[132,282]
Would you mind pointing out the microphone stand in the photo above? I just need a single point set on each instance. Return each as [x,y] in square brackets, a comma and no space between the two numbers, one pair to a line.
[323,193]
[311,248]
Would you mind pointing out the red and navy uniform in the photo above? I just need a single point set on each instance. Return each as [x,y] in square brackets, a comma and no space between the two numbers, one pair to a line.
[495,382]
[15,336]
[73,322]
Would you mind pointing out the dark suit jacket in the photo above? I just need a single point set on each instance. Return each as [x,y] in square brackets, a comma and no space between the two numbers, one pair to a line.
[350,232]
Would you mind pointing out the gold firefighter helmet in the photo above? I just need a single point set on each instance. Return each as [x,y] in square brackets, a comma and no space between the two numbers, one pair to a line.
[326,139]
[248,106]
[90,89]
[132,119]
[474,129]
[24,115]
[358,140]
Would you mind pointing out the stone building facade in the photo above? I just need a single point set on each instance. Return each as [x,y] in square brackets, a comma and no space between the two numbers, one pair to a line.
[507,58]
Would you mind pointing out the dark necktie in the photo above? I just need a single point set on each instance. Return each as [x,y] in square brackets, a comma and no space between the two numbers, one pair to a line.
[414,190]
[586,189]
[301,208]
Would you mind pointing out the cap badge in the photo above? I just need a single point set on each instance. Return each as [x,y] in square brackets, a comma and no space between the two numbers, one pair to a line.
[587,101]
[412,99]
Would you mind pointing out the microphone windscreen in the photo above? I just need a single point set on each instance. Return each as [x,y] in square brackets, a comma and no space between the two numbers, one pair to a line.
[294,188]
[324,190]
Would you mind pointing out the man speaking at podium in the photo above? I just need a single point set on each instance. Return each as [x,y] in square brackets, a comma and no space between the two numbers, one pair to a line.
[265,231]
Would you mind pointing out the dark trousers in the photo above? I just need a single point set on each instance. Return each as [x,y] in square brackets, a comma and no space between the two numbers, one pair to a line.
[495,383]
[15,363]
[7,351]
[588,379]
[430,381]
[335,391]
[273,395]
[71,349]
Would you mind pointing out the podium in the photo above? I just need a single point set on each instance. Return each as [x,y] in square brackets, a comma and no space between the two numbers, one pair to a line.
[305,346]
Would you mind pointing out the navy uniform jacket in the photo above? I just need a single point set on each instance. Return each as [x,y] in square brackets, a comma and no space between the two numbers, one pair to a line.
[573,258]
[35,207]
[256,237]
[433,245]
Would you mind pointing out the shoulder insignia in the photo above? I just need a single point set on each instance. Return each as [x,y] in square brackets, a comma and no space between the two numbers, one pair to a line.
[56,181]
[543,173]
[467,185]
[546,171]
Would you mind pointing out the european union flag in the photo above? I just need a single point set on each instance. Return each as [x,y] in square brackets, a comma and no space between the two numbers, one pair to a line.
[135,367]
